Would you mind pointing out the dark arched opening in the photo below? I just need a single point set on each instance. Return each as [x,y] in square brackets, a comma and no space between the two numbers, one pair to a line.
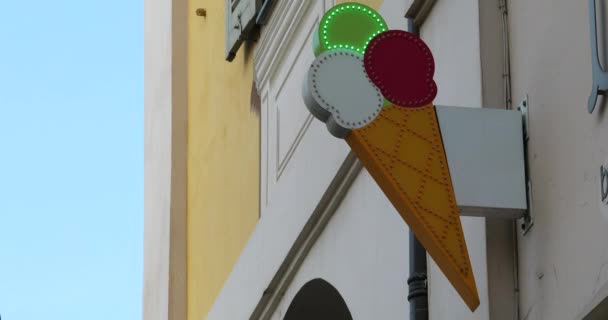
[318,300]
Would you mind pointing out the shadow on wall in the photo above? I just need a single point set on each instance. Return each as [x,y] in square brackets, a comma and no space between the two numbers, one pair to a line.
[318,300]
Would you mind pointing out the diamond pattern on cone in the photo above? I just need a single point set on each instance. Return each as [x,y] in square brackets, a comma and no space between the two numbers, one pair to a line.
[403,151]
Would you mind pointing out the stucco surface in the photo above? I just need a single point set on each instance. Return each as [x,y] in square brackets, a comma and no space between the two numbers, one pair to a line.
[363,252]
[223,156]
[562,261]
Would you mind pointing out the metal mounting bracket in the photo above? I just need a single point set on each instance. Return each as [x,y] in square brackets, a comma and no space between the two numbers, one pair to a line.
[600,75]
[527,221]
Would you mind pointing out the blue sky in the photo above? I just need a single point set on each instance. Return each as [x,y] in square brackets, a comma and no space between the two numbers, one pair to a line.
[71,159]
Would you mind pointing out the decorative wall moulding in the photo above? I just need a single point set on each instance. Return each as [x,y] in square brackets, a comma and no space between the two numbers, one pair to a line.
[275,38]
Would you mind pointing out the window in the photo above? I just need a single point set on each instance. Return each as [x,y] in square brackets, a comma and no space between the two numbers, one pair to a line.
[240,22]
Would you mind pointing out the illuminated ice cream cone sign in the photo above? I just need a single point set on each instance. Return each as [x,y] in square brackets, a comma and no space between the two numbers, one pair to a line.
[374,88]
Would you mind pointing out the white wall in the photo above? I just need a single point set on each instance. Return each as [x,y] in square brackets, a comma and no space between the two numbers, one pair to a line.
[564,259]
[363,252]
[157,160]
[165,35]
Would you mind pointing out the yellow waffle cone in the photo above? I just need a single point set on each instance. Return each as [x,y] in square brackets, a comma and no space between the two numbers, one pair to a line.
[403,151]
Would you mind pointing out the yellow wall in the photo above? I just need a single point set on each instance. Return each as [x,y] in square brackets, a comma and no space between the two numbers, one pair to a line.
[223,155]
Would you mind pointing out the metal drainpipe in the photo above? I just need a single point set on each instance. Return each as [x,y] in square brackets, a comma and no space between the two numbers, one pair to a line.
[417,282]
[502,6]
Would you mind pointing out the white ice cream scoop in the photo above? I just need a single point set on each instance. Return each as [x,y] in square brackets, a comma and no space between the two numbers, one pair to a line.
[338,92]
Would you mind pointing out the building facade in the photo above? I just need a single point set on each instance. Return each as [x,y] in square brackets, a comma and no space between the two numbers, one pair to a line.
[254,211]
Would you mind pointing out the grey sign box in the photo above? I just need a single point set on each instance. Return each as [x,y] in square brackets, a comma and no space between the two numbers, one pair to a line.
[485,152]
